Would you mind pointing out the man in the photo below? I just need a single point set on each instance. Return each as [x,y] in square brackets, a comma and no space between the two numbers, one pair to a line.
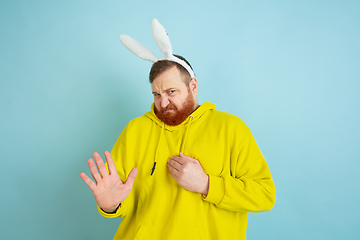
[198,171]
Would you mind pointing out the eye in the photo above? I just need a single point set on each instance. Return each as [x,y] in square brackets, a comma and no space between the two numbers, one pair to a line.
[156,95]
[172,92]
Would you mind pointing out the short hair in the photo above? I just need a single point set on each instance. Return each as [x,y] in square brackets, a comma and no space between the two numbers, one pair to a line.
[163,65]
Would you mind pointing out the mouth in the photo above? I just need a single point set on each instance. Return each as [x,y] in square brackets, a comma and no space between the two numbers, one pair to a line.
[169,110]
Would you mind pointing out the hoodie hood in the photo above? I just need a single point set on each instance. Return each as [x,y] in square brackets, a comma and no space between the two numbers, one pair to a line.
[195,116]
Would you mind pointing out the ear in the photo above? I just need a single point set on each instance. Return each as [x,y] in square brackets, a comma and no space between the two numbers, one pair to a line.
[193,86]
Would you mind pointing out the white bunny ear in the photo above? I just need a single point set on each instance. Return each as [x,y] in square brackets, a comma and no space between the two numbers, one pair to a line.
[161,38]
[137,48]
[162,41]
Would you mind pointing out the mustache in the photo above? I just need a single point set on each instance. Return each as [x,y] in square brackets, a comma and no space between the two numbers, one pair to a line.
[168,107]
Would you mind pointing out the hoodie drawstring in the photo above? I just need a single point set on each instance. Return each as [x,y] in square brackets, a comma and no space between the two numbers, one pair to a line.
[157,149]
[186,134]
[161,135]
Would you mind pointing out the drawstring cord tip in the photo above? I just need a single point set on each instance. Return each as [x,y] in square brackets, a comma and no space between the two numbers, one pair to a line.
[153,169]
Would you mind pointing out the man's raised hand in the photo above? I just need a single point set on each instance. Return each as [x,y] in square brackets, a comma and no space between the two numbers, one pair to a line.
[109,191]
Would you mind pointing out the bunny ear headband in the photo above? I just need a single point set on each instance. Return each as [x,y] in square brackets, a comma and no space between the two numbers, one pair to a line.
[162,41]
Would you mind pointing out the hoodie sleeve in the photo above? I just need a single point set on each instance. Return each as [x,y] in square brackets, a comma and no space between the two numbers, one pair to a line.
[246,185]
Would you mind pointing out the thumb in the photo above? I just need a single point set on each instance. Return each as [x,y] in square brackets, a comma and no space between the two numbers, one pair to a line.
[130,179]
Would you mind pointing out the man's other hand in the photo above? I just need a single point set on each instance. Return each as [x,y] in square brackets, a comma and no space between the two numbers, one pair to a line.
[188,173]
[109,191]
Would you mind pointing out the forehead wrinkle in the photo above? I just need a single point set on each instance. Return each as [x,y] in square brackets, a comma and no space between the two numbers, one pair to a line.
[167,80]
[163,87]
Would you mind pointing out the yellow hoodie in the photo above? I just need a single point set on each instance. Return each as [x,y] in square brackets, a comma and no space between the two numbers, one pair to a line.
[158,208]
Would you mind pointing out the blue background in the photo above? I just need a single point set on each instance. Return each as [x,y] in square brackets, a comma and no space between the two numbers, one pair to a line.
[289,69]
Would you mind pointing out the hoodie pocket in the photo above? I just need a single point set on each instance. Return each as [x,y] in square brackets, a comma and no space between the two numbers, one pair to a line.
[169,232]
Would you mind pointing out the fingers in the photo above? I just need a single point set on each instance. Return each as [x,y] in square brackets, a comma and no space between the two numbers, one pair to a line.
[173,171]
[178,159]
[100,164]
[174,164]
[187,157]
[181,161]
[131,178]
[88,181]
[110,162]
[93,170]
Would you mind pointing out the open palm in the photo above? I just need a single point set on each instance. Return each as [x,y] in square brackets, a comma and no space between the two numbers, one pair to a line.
[109,191]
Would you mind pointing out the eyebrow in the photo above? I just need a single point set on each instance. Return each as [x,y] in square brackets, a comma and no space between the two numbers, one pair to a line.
[172,88]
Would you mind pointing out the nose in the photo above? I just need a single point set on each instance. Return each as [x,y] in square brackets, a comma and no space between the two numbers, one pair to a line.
[164,101]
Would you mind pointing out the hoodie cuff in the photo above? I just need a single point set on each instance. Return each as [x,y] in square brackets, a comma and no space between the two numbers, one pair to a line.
[216,190]
[119,212]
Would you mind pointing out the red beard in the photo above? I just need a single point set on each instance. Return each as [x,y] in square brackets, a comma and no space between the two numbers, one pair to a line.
[177,116]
